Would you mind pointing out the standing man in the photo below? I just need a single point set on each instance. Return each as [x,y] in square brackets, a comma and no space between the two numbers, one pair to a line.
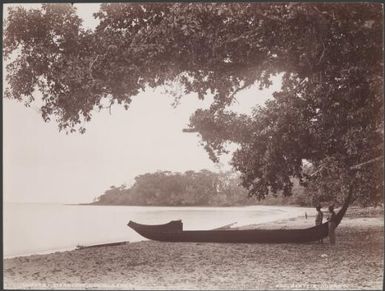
[332,225]
[319,218]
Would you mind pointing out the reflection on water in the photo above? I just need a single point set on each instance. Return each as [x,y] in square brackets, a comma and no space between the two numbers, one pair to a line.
[41,228]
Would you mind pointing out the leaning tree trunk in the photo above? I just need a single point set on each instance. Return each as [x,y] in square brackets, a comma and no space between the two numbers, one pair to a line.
[342,211]
[358,167]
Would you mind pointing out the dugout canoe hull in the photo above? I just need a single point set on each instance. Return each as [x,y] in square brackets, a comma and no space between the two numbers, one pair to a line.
[232,235]
[173,232]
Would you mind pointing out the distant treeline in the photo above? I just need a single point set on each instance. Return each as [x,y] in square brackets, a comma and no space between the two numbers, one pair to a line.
[203,188]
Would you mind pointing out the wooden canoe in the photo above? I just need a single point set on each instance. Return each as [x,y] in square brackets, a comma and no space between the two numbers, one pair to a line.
[173,232]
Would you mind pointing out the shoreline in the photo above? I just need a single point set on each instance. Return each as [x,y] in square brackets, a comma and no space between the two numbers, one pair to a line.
[283,213]
[291,220]
[189,206]
[156,265]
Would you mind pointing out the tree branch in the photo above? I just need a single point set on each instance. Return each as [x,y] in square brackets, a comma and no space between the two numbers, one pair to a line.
[270,17]
[239,89]
[358,166]
[91,65]
[355,167]
[322,55]
[189,130]
[319,169]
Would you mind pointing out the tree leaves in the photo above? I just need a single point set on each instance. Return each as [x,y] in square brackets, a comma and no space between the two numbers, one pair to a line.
[331,54]
[182,189]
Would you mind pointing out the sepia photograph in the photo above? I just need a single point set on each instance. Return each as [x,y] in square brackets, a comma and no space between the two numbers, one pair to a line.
[193,146]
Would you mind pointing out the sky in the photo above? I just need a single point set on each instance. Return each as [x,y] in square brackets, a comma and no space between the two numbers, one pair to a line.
[43,165]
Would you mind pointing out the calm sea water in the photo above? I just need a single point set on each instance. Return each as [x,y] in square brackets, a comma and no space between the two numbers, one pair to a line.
[42,228]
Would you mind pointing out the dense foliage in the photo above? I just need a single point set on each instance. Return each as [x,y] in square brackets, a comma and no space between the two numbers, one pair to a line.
[203,188]
[328,112]
[191,188]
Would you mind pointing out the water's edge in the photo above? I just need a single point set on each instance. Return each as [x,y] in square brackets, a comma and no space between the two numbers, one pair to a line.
[44,228]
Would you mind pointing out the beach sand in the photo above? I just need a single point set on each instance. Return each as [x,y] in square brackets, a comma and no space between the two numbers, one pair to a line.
[355,262]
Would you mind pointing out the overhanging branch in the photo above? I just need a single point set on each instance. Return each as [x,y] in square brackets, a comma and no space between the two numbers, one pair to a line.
[358,166]
[189,130]
[318,170]
[91,65]
[355,167]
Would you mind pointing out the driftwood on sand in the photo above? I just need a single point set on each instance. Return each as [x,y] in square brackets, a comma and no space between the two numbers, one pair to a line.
[80,247]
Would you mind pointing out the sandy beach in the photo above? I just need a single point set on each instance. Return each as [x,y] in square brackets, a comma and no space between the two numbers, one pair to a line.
[355,262]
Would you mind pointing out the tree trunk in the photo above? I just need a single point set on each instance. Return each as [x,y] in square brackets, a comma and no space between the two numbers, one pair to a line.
[342,211]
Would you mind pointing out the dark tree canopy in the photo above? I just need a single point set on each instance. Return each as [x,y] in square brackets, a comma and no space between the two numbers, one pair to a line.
[328,112]
[164,188]
[203,188]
